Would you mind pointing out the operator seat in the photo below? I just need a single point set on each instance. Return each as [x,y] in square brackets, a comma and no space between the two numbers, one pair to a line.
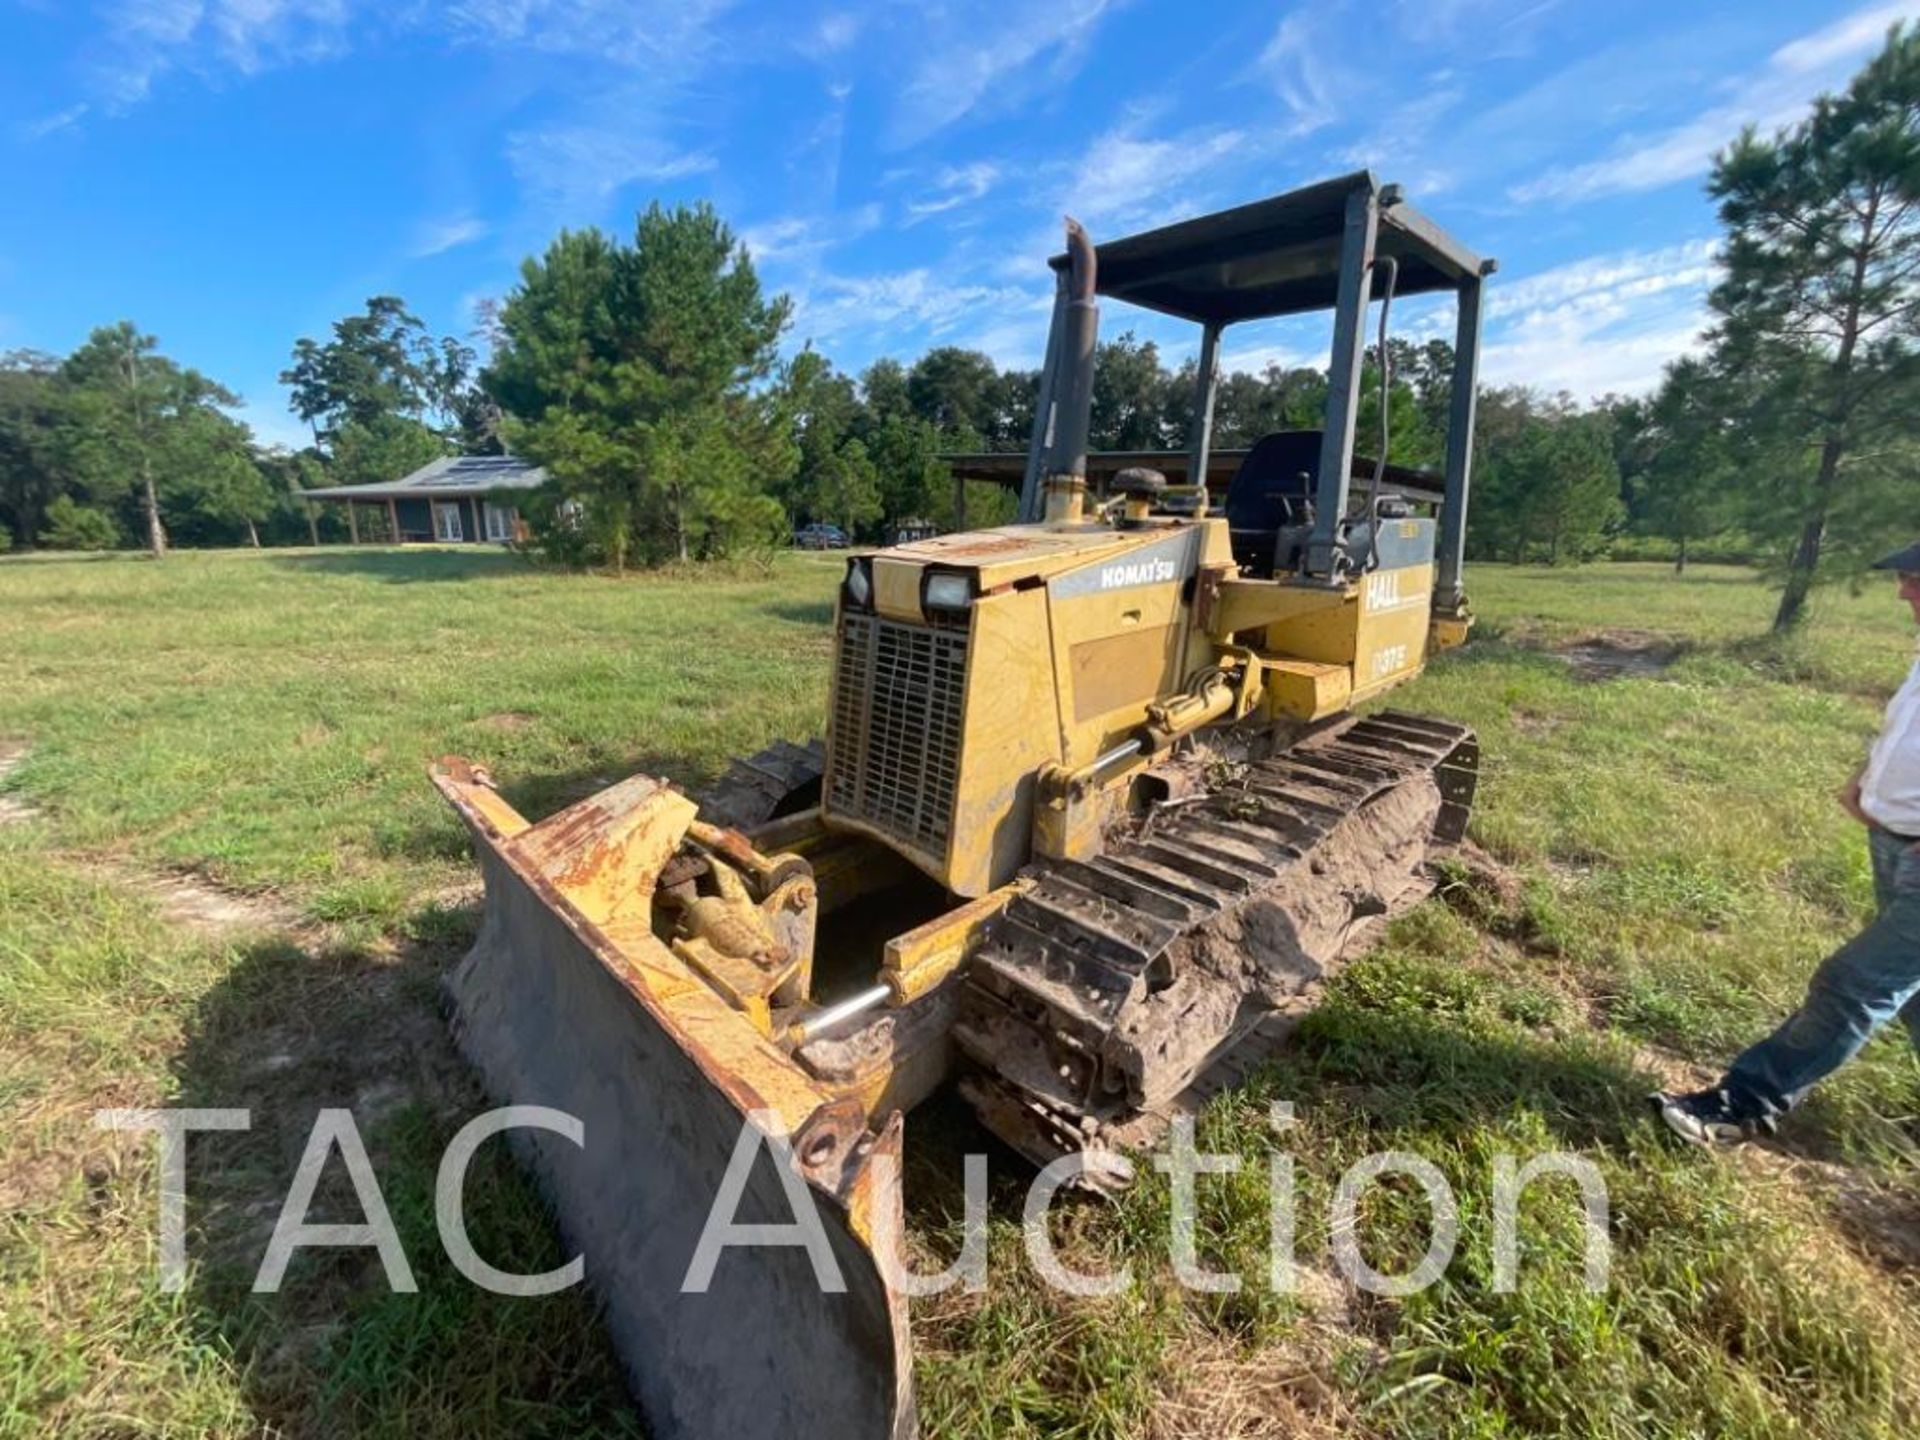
[1271,490]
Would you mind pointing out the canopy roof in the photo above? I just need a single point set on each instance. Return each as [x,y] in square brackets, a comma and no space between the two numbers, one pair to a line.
[448,478]
[1279,256]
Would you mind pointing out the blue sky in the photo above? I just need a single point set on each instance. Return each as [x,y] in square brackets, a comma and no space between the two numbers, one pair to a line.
[233,174]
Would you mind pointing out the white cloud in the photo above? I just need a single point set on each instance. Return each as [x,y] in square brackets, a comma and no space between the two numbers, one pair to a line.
[1126,178]
[892,304]
[1603,323]
[778,239]
[834,32]
[574,169]
[1842,41]
[1295,64]
[1254,359]
[1775,96]
[657,35]
[1607,279]
[970,52]
[800,240]
[1494,29]
[436,237]
[147,38]
[52,124]
[618,128]
[1624,364]
[1401,127]
[955,186]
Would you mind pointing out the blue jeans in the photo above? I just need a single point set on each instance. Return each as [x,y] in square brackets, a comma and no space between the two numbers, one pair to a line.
[1856,990]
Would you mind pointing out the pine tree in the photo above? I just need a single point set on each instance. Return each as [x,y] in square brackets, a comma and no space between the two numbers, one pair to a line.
[629,371]
[1816,315]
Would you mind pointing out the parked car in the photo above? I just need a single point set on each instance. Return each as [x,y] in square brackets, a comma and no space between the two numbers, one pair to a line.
[820,537]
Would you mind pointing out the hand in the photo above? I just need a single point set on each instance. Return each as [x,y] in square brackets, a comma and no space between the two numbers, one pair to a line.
[1850,801]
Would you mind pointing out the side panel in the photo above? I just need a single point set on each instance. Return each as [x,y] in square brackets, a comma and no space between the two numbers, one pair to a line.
[1119,630]
[1391,637]
[1010,732]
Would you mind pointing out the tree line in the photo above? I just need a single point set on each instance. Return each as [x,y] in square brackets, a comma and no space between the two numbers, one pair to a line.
[647,375]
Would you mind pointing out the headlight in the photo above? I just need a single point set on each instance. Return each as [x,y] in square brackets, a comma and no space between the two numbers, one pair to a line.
[859,584]
[949,592]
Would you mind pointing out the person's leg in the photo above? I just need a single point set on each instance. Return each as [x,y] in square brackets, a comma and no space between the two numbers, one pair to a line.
[1885,852]
[1858,988]
[1910,1017]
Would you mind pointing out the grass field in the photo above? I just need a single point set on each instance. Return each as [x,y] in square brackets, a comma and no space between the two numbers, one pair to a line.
[224,881]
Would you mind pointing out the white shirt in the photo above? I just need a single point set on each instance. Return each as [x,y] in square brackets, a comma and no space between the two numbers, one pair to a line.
[1890,790]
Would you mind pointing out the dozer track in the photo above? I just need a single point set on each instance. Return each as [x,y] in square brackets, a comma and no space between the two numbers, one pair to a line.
[776,781]
[1053,1014]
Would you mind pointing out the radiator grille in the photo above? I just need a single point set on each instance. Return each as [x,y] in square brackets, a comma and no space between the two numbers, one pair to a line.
[893,748]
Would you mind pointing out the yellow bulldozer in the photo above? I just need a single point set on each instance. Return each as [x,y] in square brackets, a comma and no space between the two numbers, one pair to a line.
[1093,818]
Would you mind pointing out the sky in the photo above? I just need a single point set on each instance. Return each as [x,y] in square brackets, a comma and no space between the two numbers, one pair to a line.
[234,174]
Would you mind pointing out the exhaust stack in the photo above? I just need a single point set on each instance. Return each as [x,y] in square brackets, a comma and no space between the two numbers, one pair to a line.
[1079,321]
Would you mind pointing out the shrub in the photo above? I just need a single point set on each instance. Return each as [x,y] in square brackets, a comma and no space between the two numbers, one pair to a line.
[78,527]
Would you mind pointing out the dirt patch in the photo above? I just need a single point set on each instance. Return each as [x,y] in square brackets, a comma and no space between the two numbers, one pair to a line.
[1529,722]
[13,810]
[188,901]
[1882,1221]
[1676,1074]
[1886,1224]
[1223,1394]
[506,722]
[1288,1388]
[1619,654]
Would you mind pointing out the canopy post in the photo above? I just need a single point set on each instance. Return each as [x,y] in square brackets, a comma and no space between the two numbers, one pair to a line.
[1206,384]
[1324,560]
[1448,591]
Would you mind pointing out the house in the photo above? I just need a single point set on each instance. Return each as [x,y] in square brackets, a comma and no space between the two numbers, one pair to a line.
[905,532]
[456,499]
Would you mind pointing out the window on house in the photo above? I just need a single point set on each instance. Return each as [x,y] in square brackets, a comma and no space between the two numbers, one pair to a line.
[500,521]
[446,521]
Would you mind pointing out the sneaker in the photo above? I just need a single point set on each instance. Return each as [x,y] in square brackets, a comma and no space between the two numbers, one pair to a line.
[1707,1117]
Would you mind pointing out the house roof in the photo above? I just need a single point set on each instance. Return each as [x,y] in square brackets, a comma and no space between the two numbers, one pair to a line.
[449,477]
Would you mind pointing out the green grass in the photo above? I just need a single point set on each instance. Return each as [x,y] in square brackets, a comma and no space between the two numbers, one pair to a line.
[1674,865]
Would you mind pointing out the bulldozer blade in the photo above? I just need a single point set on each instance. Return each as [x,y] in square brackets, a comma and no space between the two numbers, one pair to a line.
[568,1000]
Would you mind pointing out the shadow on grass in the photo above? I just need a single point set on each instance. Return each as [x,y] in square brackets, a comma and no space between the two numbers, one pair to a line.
[1792,659]
[537,796]
[335,1351]
[1405,1069]
[406,566]
[799,612]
